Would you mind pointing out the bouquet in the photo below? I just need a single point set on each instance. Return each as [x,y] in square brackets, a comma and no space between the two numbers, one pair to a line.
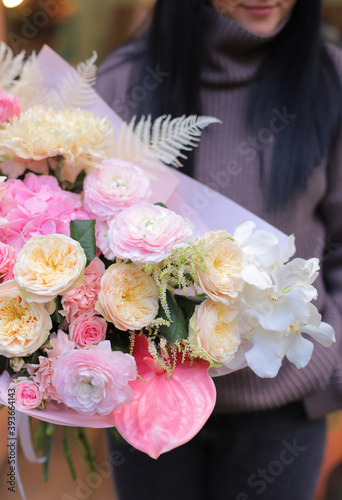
[114,309]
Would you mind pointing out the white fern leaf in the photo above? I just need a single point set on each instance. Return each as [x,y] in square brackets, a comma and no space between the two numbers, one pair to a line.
[164,140]
[75,89]
[30,86]
[10,66]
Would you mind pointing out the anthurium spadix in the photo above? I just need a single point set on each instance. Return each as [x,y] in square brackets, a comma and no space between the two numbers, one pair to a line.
[167,411]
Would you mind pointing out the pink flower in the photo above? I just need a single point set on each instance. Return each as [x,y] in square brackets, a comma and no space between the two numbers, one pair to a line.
[167,411]
[59,342]
[7,261]
[102,240]
[115,186]
[94,380]
[27,394]
[82,299]
[42,375]
[8,106]
[88,330]
[147,233]
[37,206]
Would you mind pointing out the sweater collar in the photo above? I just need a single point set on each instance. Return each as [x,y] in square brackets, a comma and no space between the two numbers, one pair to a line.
[232,53]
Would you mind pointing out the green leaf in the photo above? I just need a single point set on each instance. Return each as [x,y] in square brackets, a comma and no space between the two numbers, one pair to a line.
[160,204]
[188,304]
[119,341]
[83,231]
[178,329]
[56,317]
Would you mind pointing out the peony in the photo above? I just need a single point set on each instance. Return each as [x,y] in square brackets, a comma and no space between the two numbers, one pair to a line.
[215,329]
[224,261]
[88,330]
[41,133]
[116,186]
[7,260]
[94,380]
[128,297]
[8,106]
[24,326]
[147,233]
[48,266]
[27,394]
[82,299]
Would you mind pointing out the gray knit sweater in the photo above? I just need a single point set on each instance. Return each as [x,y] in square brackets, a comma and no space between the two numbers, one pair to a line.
[228,161]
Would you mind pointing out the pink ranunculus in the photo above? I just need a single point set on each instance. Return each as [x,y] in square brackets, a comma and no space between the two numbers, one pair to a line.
[88,330]
[37,206]
[94,380]
[115,186]
[27,394]
[147,233]
[8,106]
[82,299]
[7,261]
[102,240]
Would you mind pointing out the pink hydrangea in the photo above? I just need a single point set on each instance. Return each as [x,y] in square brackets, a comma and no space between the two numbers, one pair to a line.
[82,299]
[88,330]
[94,380]
[27,394]
[37,206]
[8,106]
[147,233]
[113,187]
[7,261]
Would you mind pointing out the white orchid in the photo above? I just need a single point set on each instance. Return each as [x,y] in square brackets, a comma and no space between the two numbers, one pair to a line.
[276,303]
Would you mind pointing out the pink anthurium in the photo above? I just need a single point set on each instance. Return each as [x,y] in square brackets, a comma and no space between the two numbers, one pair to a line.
[166,412]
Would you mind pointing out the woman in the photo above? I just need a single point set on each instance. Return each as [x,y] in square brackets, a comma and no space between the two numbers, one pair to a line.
[261,67]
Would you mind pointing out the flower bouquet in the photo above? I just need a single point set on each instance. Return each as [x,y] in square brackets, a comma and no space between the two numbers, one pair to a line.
[114,310]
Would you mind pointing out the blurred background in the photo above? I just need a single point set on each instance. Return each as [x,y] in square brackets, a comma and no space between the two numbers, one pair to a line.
[74,28]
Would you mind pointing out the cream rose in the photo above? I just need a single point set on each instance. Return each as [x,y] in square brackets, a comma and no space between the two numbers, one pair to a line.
[24,326]
[48,266]
[215,328]
[128,297]
[224,261]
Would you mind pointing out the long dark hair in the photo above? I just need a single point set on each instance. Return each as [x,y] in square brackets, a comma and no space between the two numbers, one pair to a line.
[298,73]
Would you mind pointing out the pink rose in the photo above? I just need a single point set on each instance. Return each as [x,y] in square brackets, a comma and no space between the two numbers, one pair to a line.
[88,330]
[7,261]
[147,233]
[8,106]
[94,380]
[115,186]
[82,299]
[27,394]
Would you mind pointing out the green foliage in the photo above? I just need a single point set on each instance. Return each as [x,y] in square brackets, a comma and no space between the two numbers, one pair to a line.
[177,329]
[83,231]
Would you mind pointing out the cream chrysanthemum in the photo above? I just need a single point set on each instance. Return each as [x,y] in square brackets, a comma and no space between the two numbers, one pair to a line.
[41,133]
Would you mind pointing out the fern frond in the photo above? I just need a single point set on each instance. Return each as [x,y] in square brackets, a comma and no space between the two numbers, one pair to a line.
[75,89]
[10,66]
[147,143]
[30,86]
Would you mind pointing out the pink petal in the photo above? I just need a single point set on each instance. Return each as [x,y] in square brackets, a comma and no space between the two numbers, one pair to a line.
[165,413]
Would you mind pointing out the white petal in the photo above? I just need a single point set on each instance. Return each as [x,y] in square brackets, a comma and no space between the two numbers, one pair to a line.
[253,276]
[289,250]
[299,351]
[243,232]
[262,358]
[298,304]
[279,319]
[324,334]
